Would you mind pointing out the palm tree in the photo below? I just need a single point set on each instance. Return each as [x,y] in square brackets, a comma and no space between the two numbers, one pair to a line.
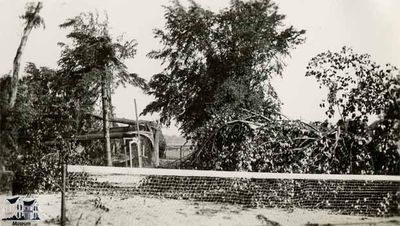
[32,20]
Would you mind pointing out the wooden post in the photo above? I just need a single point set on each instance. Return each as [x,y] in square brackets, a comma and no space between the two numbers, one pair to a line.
[125,155]
[157,147]
[130,153]
[138,138]
[180,156]
[145,157]
[63,189]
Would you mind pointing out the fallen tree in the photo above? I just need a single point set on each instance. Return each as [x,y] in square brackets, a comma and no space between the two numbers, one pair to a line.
[150,124]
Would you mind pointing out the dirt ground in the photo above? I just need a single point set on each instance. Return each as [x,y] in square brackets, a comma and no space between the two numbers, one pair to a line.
[108,210]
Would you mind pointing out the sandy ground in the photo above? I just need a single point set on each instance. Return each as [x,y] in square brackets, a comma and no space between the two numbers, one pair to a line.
[108,210]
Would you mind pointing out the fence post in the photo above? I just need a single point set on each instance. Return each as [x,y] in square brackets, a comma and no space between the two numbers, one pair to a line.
[180,157]
[63,189]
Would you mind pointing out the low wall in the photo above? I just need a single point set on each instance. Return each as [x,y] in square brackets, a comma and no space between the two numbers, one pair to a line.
[6,179]
[345,194]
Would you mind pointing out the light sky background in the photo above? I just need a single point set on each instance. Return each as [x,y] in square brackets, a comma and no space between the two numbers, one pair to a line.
[368,26]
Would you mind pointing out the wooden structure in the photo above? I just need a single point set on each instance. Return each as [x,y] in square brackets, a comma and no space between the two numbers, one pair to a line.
[149,140]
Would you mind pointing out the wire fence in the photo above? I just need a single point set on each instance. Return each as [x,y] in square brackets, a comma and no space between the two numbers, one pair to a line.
[369,195]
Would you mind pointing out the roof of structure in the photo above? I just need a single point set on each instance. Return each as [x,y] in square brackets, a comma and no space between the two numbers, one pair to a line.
[29,203]
[13,200]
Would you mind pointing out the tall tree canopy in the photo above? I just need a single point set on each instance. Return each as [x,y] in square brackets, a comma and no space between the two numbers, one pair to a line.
[217,64]
[93,63]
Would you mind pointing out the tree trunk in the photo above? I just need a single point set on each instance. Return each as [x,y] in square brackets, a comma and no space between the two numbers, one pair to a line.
[106,128]
[114,143]
[111,112]
[17,58]
[124,120]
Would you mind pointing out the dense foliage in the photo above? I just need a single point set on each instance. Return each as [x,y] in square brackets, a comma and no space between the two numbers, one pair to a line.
[53,106]
[218,62]
[96,61]
[93,53]
[216,85]
[360,90]
[41,114]
[218,66]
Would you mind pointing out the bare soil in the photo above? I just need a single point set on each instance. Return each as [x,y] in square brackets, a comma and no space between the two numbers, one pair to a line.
[110,210]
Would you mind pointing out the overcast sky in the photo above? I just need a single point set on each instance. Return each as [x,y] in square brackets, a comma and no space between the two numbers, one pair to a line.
[369,26]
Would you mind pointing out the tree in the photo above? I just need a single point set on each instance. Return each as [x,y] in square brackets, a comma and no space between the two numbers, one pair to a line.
[32,20]
[94,62]
[219,64]
[359,89]
[40,130]
[9,84]
[40,113]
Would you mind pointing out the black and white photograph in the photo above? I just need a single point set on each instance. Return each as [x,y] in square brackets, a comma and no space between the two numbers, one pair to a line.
[200,112]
